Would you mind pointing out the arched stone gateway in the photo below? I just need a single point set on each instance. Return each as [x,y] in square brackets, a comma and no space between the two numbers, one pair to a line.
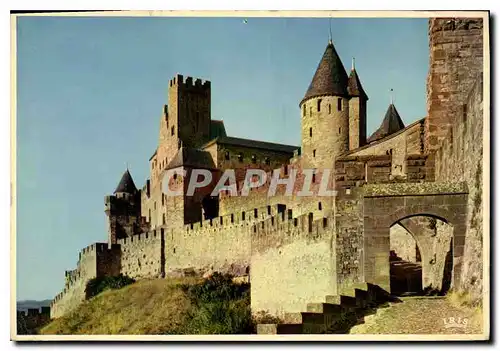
[389,204]
[420,255]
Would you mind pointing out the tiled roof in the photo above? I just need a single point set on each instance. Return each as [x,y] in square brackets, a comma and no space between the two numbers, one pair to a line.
[330,77]
[194,158]
[126,184]
[392,123]
[255,144]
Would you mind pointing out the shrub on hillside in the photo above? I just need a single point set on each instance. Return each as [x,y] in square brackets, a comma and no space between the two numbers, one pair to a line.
[219,306]
[96,286]
[218,287]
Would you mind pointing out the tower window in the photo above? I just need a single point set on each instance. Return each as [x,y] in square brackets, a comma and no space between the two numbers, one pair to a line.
[339,104]
[340,130]
[226,155]
[314,178]
[314,153]
[164,221]
[310,132]
[329,108]
[304,110]
[319,105]
[155,205]
[310,111]
[172,130]
[319,206]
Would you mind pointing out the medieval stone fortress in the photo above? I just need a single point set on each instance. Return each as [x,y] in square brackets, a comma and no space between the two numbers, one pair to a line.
[407,215]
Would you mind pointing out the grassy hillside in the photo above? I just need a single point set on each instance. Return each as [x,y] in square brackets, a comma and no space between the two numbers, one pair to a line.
[162,306]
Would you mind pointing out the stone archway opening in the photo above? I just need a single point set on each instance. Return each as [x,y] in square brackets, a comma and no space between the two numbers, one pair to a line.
[420,258]
[388,204]
[405,262]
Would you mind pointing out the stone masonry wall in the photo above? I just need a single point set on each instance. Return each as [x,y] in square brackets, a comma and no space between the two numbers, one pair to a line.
[403,244]
[220,244]
[456,58]
[460,158]
[433,238]
[352,171]
[398,145]
[142,255]
[94,261]
[292,264]
[324,130]
[349,238]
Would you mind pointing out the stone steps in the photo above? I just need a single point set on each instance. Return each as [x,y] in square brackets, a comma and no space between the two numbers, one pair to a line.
[337,314]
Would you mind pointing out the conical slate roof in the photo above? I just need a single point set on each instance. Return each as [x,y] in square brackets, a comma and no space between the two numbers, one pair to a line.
[354,87]
[126,184]
[330,77]
[392,123]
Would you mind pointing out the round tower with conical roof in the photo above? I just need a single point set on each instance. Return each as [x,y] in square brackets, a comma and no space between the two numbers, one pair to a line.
[325,113]
[123,210]
[357,110]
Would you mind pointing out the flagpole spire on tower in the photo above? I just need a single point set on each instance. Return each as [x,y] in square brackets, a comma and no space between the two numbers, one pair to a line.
[391,94]
[330,40]
[353,63]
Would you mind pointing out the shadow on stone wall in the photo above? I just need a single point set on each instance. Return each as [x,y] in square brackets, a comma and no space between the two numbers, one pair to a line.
[406,277]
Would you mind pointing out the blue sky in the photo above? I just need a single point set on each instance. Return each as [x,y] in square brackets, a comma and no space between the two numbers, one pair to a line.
[91,91]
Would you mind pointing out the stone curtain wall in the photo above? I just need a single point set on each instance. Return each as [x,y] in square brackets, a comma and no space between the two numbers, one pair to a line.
[220,244]
[292,263]
[142,255]
[460,158]
[95,260]
[28,323]
[456,58]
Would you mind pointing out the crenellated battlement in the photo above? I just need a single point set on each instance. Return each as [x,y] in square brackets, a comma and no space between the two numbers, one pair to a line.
[152,235]
[189,84]
[30,321]
[304,224]
[34,312]
[231,220]
[92,249]
[97,259]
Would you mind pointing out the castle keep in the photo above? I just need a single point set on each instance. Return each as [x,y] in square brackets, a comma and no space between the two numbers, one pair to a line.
[405,194]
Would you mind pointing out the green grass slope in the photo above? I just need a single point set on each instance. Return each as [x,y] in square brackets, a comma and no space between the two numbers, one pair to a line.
[162,306]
